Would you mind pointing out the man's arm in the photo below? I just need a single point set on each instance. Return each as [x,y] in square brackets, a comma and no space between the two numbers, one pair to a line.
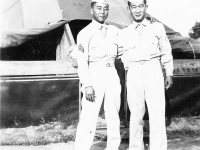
[83,68]
[73,54]
[119,42]
[166,57]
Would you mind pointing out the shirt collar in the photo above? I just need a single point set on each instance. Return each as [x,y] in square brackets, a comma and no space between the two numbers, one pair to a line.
[98,25]
[145,22]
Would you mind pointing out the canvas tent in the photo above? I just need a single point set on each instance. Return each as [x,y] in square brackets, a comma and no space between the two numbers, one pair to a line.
[27,20]
[22,20]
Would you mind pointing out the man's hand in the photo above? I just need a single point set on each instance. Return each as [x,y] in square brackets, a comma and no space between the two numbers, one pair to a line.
[168,82]
[89,92]
[150,18]
[73,54]
[74,62]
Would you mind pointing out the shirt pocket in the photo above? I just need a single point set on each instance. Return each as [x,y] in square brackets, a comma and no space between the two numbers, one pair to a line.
[95,43]
[154,47]
[129,44]
[155,41]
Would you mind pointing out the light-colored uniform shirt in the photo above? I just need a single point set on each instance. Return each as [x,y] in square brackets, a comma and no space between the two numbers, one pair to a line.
[93,47]
[151,43]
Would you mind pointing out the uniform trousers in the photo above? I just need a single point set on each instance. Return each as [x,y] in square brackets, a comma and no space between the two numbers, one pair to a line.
[145,82]
[106,84]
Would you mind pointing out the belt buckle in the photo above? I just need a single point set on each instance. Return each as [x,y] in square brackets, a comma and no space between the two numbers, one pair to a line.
[108,65]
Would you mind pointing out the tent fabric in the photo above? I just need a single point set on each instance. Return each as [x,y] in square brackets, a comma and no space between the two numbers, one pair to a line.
[184,44]
[18,14]
[11,15]
[23,20]
[17,37]
[38,13]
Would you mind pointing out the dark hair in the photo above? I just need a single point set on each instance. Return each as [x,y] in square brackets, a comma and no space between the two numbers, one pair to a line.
[92,4]
[129,3]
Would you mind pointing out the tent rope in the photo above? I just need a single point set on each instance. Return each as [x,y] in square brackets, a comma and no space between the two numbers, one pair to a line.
[192,50]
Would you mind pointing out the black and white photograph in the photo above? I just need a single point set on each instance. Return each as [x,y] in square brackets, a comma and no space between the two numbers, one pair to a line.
[100,75]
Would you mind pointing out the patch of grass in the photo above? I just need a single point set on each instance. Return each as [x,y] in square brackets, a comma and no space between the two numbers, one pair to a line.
[180,127]
[182,133]
[53,132]
[59,132]
[184,127]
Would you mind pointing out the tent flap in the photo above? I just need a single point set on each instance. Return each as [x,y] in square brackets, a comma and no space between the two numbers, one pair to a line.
[17,37]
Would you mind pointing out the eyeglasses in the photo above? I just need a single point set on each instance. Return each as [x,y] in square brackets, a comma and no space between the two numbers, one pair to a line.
[134,7]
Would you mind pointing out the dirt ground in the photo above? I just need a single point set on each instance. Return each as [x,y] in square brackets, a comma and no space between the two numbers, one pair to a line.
[192,143]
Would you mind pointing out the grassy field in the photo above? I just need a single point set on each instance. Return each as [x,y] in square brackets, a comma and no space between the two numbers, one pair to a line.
[59,132]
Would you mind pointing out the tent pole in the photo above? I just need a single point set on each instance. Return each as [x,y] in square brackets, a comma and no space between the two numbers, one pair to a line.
[69,34]
[192,50]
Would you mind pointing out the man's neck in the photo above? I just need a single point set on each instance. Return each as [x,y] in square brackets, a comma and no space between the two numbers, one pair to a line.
[97,24]
[98,21]
[138,21]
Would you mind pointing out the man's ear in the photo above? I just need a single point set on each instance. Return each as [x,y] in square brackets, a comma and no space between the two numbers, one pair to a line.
[91,11]
[128,9]
[146,7]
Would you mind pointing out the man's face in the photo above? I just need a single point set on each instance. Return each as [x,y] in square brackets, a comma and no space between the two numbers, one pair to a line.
[100,12]
[138,9]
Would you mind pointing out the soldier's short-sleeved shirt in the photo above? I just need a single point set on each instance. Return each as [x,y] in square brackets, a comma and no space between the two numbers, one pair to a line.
[94,47]
[152,43]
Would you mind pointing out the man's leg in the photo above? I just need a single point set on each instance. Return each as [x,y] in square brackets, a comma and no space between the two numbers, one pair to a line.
[111,106]
[155,98]
[135,96]
[87,124]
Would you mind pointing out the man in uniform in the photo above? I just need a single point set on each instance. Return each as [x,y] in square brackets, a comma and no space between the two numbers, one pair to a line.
[95,56]
[145,48]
